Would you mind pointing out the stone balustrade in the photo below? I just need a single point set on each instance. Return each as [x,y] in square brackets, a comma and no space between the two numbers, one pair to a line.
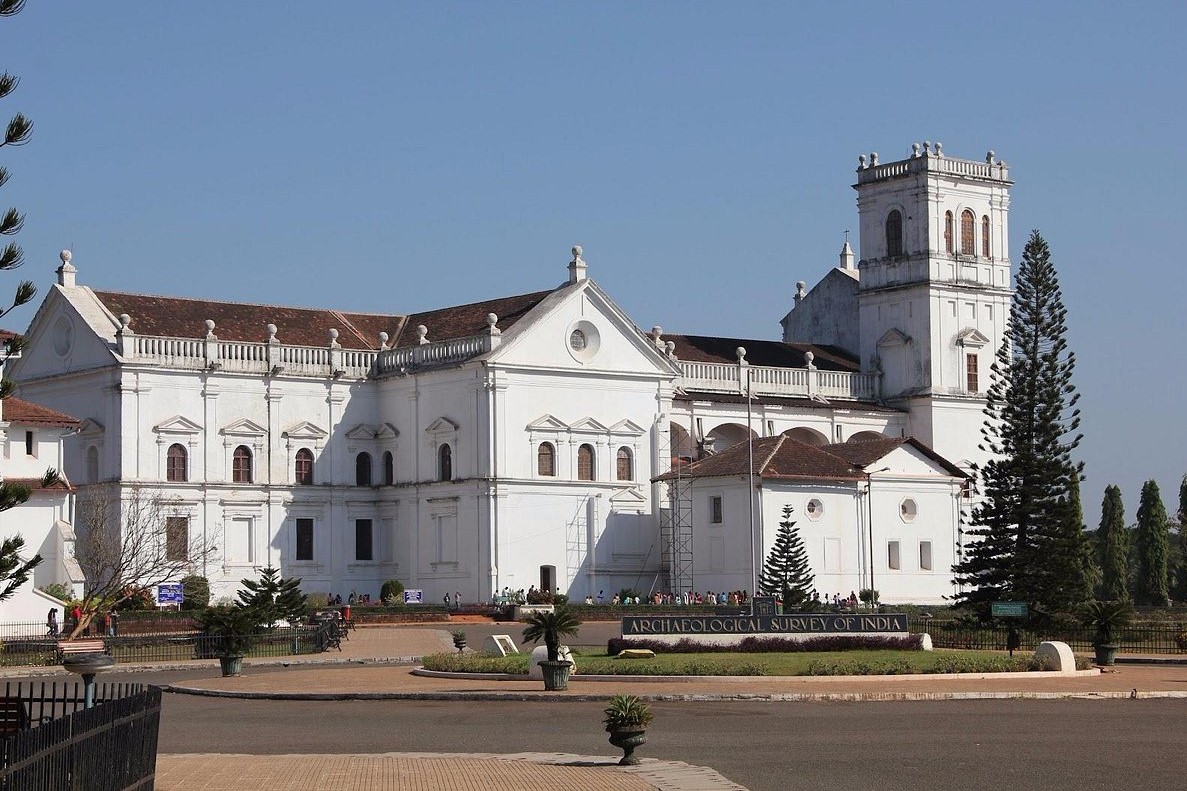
[771,381]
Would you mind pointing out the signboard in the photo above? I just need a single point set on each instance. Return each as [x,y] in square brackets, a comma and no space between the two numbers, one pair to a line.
[1008,609]
[414,596]
[765,605]
[169,593]
[824,623]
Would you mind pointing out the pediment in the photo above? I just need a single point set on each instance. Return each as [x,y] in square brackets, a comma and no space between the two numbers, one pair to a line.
[90,428]
[589,425]
[628,427]
[244,428]
[548,423]
[628,498]
[441,425]
[177,425]
[894,338]
[304,430]
[971,336]
[387,431]
[362,431]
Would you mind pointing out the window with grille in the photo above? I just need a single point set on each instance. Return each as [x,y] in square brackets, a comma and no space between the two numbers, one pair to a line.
[303,471]
[30,448]
[362,539]
[967,227]
[304,542]
[972,373]
[389,468]
[894,233]
[716,510]
[241,465]
[362,469]
[175,463]
[624,468]
[177,538]
[585,463]
[985,236]
[445,463]
[948,232]
[546,459]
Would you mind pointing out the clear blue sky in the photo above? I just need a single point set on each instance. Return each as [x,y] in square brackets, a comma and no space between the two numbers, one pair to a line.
[393,156]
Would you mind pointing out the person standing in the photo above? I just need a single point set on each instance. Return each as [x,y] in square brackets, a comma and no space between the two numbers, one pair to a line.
[51,622]
[457,600]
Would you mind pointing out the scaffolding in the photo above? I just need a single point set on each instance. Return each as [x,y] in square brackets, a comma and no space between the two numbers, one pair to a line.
[675,525]
[576,543]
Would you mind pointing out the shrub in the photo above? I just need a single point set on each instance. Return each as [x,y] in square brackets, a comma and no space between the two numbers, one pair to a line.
[58,591]
[392,592]
[626,712]
[476,663]
[195,590]
[317,601]
[139,599]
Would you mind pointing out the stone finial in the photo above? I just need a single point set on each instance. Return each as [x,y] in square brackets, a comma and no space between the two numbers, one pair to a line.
[926,147]
[125,321]
[271,328]
[741,353]
[66,271]
[915,151]
[846,256]
[491,320]
[210,328]
[801,290]
[670,349]
[656,336]
[422,333]
[989,156]
[383,337]
[809,357]
[577,267]
[939,149]
[333,338]
[873,159]
[861,162]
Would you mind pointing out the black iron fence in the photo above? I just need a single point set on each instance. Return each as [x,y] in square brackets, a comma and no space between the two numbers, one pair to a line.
[33,703]
[111,747]
[1142,639]
[282,641]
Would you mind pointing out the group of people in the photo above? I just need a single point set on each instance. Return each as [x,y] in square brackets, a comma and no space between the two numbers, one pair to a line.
[686,599]
[110,620]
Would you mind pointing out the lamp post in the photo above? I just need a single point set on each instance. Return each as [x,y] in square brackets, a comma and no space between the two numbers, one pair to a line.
[743,365]
[870,525]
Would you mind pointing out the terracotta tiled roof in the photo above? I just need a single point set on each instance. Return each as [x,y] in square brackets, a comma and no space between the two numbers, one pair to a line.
[6,335]
[864,452]
[240,321]
[710,349]
[26,413]
[806,403]
[775,458]
[61,485]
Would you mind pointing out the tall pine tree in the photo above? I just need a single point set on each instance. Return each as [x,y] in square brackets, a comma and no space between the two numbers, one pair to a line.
[1083,572]
[1153,545]
[786,571]
[1113,540]
[1020,547]
[1181,589]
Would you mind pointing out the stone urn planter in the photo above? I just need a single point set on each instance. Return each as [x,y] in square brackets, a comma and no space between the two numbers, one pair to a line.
[459,640]
[231,665]
[626,720]
[627,741]
[1108,618]
[556,675]
[1106,654]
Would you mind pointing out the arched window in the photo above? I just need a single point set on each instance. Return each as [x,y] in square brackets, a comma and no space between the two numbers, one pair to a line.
[894,233]
[241,465]
[546,459]
[389,468]
[175,463]
[445,463]
[303,471]
[624,468]
[362,469]
[968,223]
[985,236]
[947,232]
[93,463]
[585,463]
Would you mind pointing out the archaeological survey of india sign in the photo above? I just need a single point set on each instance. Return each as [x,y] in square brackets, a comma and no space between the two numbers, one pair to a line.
[634,626]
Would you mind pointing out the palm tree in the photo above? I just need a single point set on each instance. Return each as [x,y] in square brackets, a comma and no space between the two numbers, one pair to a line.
[551,626]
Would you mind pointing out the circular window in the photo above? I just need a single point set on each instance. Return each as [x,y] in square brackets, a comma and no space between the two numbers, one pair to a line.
[583,341]
[908,510]
[63,336]
[814,509]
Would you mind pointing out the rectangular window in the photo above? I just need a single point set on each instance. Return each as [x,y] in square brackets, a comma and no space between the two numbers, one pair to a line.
[893,561]
[29,443]
[304,548]
[238,542]
[925,555]
[446,537]
[716,510]
[972,373]
[177,538]
[362,539]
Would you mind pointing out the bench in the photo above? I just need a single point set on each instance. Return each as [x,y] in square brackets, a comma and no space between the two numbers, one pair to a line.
[14,716]
[68,647]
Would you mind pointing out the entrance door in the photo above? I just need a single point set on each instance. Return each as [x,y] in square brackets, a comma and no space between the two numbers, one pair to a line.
[548,578]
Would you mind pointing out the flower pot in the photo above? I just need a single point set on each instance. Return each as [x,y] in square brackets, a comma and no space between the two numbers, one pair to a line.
[459,643]
[627,741]
[231,665]
[1106,654]
[556,675]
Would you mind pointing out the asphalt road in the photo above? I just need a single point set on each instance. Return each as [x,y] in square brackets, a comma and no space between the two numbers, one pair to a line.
[991,745]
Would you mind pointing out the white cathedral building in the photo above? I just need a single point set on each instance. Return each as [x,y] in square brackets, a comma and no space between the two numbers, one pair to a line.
[543,439]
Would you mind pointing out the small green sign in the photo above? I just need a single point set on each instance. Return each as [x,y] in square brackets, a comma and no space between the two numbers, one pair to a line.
[1008,609]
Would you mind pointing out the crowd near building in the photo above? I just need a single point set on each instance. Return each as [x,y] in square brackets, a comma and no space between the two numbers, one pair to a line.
[543,439]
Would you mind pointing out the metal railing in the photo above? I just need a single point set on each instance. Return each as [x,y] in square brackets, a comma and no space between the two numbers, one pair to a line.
[1142,639]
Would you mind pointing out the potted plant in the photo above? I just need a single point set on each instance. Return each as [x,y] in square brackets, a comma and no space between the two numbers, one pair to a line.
[551,627]
[1107,618]
[231,631]
[626,719]
[459,640]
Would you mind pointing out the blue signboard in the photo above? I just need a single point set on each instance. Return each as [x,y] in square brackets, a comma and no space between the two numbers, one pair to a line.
[169,593]
[414,596]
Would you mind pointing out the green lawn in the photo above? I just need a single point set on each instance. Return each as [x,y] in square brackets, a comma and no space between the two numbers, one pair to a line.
[824,663]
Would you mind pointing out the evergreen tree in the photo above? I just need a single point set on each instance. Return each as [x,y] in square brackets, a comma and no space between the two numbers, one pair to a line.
[1113,539]
[273,597]
[786,571]
[1181,588]
[1020,530]
[1153,540]
[1083,573]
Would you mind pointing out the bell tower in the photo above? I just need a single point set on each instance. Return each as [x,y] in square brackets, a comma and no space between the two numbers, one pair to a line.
[934,287]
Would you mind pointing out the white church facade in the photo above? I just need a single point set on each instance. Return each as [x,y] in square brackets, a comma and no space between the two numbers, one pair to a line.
[543,439]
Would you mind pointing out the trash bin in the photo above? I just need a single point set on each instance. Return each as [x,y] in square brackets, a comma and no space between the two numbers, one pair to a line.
[346,612]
